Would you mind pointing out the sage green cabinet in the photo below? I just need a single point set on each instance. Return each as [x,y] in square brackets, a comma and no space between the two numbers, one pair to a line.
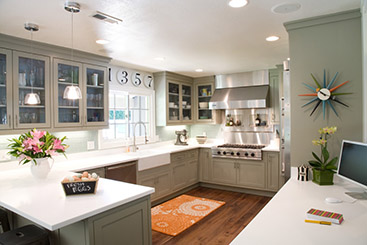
[274,80]
[179,175]
[205,158]
[273,171]
[224,171]
[174,99]
[128,225]
[251,173]
[6,89]
[31,74]
[92,108]
[159,178]
[184,169]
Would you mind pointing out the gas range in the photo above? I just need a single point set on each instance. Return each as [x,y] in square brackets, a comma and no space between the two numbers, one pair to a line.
[238,151]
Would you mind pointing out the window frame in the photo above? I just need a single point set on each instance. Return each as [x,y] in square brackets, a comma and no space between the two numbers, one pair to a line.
[113,143]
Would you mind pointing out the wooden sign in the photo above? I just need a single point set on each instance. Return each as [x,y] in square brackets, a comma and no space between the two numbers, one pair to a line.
[80,187]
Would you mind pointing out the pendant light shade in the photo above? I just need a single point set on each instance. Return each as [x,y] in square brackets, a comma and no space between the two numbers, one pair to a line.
[32,99]
[72,93]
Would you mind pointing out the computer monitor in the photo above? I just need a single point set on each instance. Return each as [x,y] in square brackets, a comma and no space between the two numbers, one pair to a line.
[353,166]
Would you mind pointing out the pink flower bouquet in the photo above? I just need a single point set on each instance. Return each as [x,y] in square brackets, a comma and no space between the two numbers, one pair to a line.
[36,144]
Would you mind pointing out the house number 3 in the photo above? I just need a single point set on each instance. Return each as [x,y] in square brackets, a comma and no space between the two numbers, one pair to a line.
[122,77]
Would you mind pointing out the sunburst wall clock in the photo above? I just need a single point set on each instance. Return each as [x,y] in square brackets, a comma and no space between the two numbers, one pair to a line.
[324,94]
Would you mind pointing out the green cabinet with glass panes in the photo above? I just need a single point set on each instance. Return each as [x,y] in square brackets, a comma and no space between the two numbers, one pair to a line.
[204,89]
[174,99]
[31,74]
[91,109]
[5,89]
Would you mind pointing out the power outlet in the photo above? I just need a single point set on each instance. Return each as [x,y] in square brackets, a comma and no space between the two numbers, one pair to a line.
[90,145]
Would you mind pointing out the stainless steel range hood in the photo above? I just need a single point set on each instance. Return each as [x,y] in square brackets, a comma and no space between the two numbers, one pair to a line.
[241,91]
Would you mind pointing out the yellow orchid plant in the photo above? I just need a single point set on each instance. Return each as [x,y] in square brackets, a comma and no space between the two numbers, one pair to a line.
[323,162]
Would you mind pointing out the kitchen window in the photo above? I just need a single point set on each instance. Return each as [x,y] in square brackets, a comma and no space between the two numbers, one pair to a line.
[126,109]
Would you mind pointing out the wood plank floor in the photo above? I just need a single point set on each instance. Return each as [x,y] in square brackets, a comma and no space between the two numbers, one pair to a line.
[221,226]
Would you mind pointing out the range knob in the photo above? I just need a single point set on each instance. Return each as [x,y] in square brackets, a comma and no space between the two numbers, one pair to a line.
[218,152]
[224,153]
[246,154]
[238,154]
[252,154]
[232,153]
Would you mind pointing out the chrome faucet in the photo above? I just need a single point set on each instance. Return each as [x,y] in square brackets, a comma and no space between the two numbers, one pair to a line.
[134,148]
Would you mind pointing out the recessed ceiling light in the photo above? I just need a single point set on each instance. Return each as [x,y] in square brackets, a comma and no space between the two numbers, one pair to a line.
[199,70]
[237,3]
[159,58]
[272,38]
[102,41]
[286,8]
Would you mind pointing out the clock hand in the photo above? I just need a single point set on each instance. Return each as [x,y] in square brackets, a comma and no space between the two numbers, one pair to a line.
[322,93]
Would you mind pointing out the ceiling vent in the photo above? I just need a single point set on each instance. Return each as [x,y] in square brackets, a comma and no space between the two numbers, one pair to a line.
[107,18]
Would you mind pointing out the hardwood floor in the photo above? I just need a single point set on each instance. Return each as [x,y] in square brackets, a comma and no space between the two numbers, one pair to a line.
[221,226]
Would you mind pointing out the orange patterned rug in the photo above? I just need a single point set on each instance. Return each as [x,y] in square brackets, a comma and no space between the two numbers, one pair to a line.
[178,214]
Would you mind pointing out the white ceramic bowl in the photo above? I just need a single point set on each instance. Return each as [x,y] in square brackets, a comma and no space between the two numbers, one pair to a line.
[201,139]
[171,104]
[203,105]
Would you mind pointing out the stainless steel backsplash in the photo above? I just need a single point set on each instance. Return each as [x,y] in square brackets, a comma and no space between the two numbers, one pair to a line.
[247,132]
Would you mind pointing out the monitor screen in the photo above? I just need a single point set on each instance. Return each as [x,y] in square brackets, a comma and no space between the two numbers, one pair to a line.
[353,162]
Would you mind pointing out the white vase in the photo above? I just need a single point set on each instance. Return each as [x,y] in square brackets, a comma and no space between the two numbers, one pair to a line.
[42,168]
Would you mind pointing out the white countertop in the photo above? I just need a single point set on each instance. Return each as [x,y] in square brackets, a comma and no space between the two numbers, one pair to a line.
[45,203]
[281,221]
[94,159]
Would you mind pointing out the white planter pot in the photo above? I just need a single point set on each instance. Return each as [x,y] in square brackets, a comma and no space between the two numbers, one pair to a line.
[42,168]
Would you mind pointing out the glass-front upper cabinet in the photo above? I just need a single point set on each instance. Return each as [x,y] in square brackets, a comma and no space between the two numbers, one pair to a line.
[204,93]
[173,101]
[186,102]
[31,75]
[67,112]
[96,95]
[5,89]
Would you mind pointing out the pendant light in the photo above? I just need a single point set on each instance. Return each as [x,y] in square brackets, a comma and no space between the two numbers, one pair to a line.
[31,98]
[72,92]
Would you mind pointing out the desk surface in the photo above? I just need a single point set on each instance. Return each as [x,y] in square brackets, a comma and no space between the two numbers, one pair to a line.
[282,219]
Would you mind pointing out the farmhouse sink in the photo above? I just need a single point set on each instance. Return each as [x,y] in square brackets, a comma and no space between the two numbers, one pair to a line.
[152,158]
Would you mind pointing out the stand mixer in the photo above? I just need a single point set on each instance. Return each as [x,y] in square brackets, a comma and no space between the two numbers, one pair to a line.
[181,137]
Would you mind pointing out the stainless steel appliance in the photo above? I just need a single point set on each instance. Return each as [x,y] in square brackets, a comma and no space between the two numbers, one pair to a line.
[285,147]
[125,172]
[241,90]
[238,151]
[181,137]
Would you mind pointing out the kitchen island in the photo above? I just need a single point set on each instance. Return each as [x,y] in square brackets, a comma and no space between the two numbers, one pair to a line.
[117,212]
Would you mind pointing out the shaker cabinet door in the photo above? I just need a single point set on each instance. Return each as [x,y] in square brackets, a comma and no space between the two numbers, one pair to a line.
[5,89]
[68,113]
[96,95]
[31,75]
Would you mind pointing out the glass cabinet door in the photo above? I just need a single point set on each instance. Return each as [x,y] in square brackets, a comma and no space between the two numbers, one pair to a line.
[173,101]
[68,112]
[204,92]
[186,102]
[96,96]
[31,75]
[5,89]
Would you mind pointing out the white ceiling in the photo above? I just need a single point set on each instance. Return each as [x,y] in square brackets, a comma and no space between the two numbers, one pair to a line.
[190,34]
